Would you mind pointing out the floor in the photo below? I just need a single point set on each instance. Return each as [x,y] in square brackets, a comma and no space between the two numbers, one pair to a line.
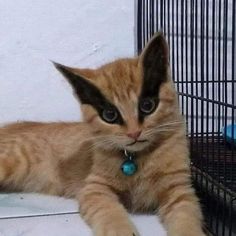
[40,215]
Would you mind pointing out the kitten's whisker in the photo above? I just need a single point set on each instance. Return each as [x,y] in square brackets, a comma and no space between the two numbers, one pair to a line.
[154,131]
[164,127]
[170,123]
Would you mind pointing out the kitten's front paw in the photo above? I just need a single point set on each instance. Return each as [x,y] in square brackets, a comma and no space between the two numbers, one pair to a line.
[116,230]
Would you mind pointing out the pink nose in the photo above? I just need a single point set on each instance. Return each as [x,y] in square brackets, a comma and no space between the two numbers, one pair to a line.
[134,135]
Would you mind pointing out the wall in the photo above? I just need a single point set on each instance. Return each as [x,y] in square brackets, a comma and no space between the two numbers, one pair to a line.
[76,33]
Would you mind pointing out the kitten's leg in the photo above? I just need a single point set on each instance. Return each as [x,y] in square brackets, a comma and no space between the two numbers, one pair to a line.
[12,171]
[19,173]
[179,208]
[101,209]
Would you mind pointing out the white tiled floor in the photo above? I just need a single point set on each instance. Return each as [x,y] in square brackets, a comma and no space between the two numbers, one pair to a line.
[37,215]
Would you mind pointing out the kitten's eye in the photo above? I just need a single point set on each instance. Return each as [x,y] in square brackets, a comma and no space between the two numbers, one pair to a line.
[147,106]
[110,115]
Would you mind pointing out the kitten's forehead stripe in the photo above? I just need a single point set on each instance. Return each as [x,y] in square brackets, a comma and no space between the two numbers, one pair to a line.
[119,79]
[121,83]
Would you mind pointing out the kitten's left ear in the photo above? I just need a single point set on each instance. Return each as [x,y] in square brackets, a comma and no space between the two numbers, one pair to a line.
[156,52]
[154,61]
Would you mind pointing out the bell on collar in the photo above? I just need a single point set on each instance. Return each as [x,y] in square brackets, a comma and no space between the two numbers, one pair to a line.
[129,167]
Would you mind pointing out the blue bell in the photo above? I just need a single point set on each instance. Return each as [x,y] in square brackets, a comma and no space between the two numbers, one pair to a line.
[129,167]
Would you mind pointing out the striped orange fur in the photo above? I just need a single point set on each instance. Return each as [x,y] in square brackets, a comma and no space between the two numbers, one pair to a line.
[83,160]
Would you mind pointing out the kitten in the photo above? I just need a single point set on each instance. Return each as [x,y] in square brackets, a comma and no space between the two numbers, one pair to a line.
[130,152]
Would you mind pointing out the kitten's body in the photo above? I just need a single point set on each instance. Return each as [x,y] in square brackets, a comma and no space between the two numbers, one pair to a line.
[34,156]
[83,160]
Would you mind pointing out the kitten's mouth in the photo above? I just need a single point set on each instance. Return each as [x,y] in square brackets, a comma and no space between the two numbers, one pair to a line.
[137,141]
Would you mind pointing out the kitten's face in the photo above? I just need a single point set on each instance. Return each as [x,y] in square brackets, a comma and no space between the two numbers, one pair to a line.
[127,102]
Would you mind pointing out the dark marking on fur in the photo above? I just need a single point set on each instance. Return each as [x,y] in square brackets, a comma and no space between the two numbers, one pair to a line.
[88,93]
[125,199]
[155,69]
[185,197]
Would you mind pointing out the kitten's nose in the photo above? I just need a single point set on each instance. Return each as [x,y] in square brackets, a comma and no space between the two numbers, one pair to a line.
[134,135]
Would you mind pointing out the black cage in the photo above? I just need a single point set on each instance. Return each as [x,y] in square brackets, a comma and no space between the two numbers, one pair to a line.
[201,36]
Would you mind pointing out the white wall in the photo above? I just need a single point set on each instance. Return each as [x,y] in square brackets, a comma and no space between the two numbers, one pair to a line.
[74,32]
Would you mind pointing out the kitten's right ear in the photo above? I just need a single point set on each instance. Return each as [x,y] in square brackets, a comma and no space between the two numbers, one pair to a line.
[68,73]
[84,89]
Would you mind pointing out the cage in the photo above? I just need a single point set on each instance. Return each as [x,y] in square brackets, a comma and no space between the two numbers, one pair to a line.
[201,37]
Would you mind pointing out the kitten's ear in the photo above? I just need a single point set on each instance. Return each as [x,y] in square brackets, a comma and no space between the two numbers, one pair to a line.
[84,89]
[155,64]
[156,52]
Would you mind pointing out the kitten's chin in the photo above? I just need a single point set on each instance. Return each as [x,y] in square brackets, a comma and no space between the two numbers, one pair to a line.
[137,147]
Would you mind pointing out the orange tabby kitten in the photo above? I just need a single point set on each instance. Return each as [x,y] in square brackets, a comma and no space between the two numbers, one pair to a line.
[130,152]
